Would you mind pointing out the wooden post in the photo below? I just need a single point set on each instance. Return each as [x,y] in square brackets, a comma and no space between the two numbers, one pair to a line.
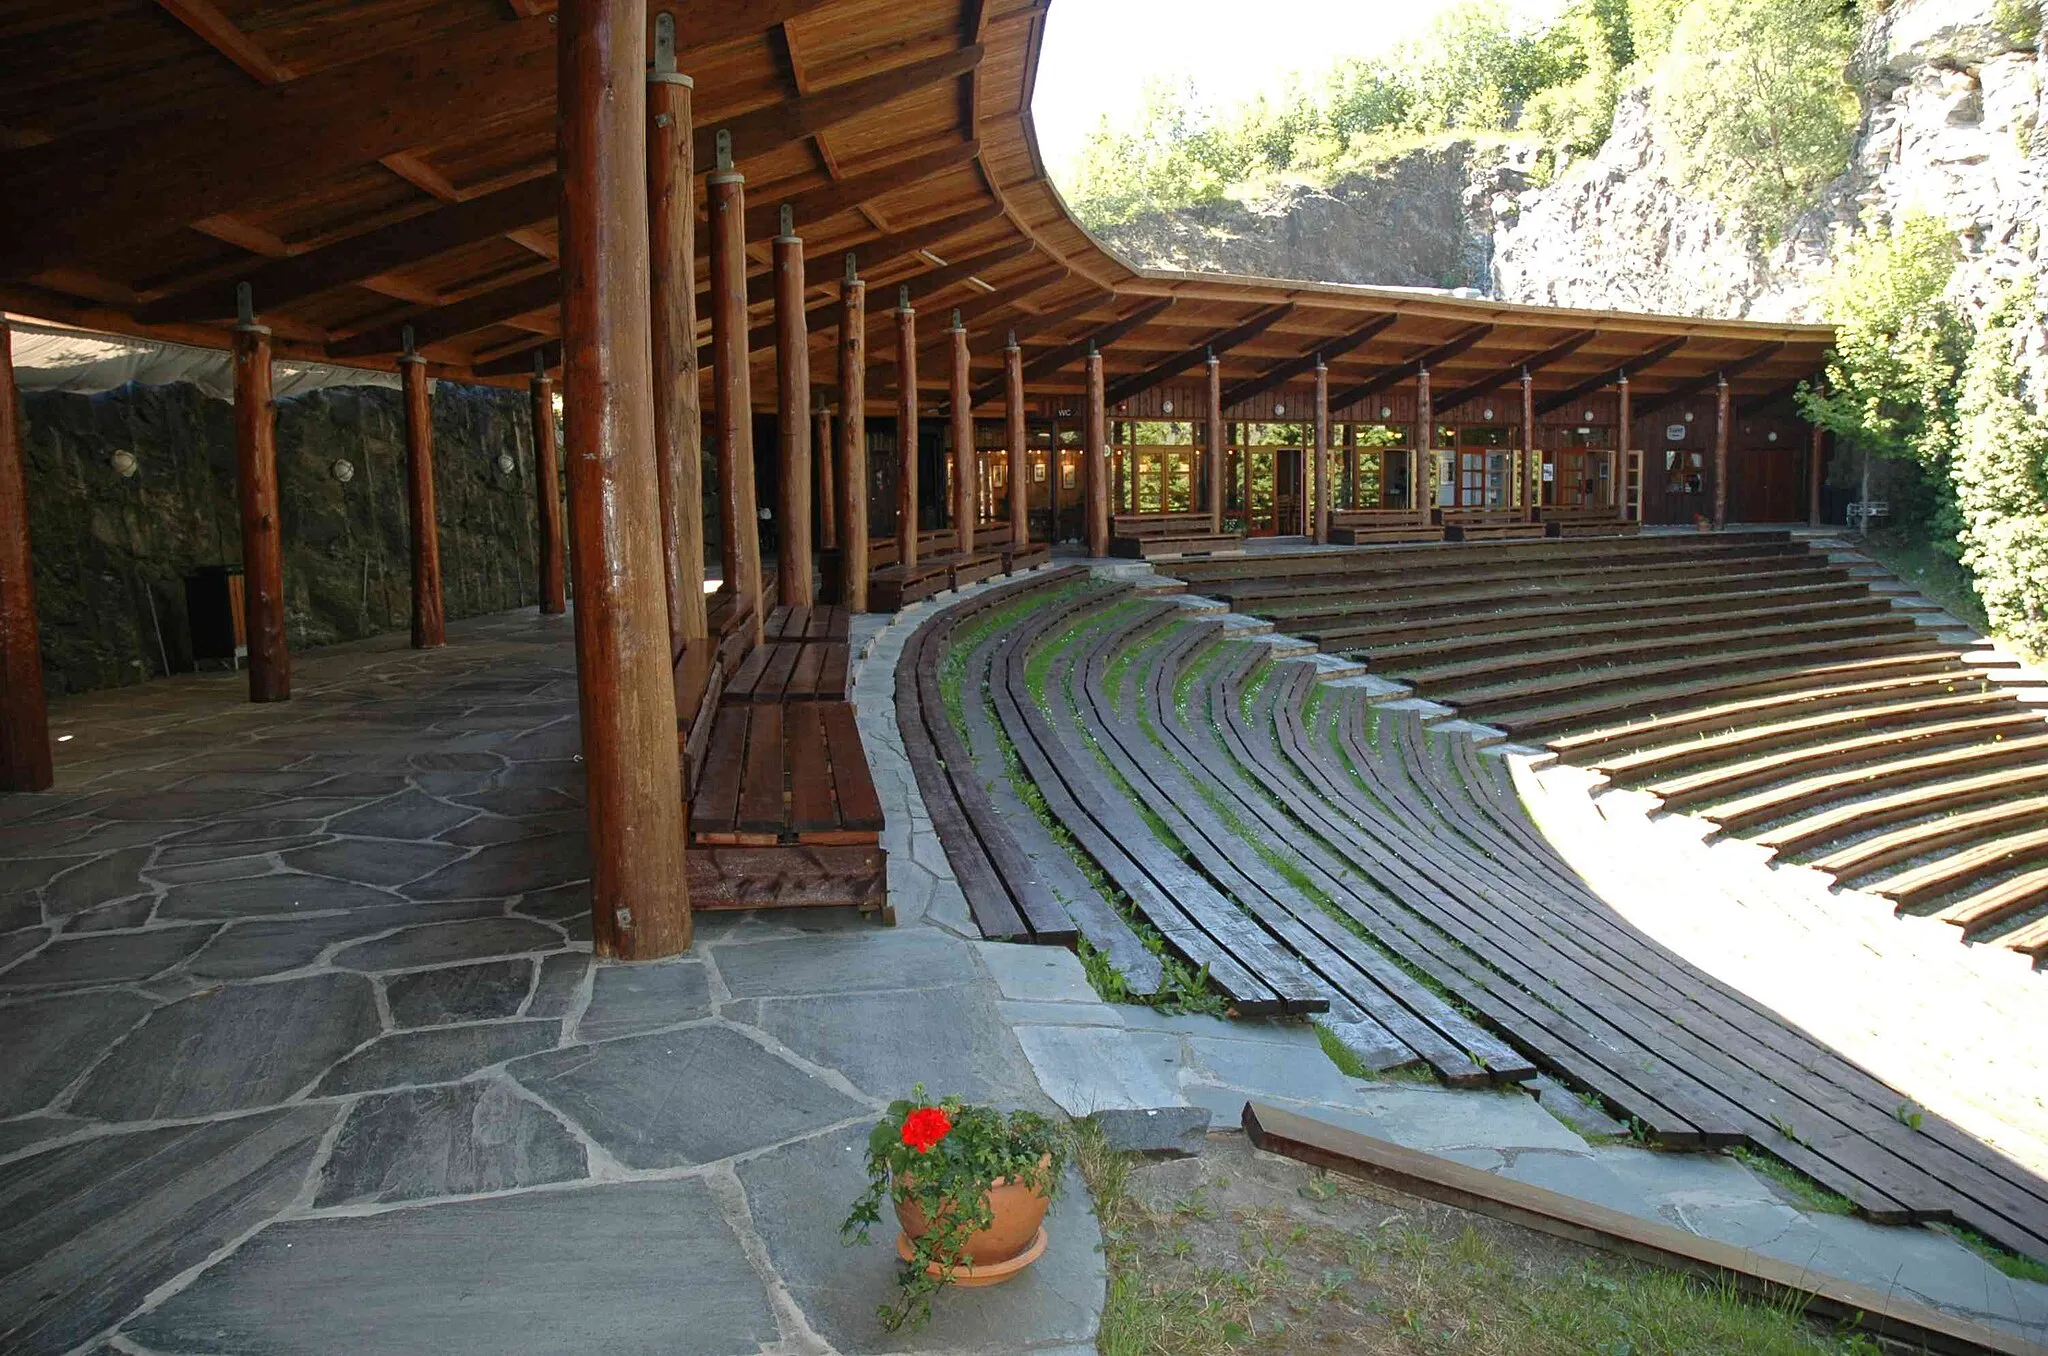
[639,901]
[964,473]
[853,438]
[1532,465]
[1816,464]
[672,276]
[270,660]
[429,622]
[1017,436]
[792,419]
[827,497]
[1218,453]
[24,711]
[732,382]
[547,489]
[1616,491]
[1721,416]
[1425,443]
[1319,487]
[906,430]
[1095,428]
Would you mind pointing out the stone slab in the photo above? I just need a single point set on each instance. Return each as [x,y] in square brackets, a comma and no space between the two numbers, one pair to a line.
[628,999]
[46,1045]
[100,881]
[560,983]
[87,1230]
[270,946]
[382,863]
[1042,974]
[1060,1014]
[868,960]
[1163,1129]
[449,943]
[461,993]
[437,1054]
[411,814]
[461,1139]
[505,869]
[948,1039]
[1089,1069]
[630,1269]
[677,1098]
[283,895]
[116,958]
[838,1287]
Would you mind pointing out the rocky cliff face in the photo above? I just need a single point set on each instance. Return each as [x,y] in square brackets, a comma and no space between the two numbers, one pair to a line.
[112,552]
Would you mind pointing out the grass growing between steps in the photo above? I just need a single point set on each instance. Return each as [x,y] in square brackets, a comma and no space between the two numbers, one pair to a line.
[1810,1194]
[1235,1252]
[2011,1263]
[953,667]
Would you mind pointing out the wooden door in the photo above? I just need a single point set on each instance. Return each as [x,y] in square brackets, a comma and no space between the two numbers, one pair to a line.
[1287,491]
[1763,485]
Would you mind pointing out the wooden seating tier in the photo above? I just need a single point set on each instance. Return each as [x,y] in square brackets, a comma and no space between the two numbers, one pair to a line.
[1363,527]
[1487,525]
[1148,536]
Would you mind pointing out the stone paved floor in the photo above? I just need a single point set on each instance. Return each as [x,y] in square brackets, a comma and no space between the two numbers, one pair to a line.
[302,1047]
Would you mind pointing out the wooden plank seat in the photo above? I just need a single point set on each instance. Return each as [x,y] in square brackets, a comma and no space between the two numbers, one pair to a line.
[1144,536]
[790,671]
[785,773]
[821,623]
[1808,794]
[1587,521]
[1361,527]
[1487,525]
[996,537]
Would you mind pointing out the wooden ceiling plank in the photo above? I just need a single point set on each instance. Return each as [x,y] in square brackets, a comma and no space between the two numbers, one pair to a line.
[1692,386]
[446,322]
[1282,373]
[1508,372]
[1640,363]
[1045,364]
[826,200]
[1126,387]
[1393,376]
[220,33]
[789,120]
[281,282]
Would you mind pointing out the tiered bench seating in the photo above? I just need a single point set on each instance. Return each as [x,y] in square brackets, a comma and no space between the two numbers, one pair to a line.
[1280,829]
[1737,676]
[1362,527]
[1487,525]
[782,809]
[940,566]
[1147,536]
[1591,521]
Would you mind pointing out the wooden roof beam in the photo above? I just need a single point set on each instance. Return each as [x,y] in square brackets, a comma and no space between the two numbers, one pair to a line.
[220,33]
[1757,404]
[1394,376]
[521,359]
[1124,388]
[816,204]
[279,283]
[874,253]
[1642,362]
[1692,386]
[1045,364]
[1288,369]
[463,317]
[788,120]
[79,198]
[1501,376]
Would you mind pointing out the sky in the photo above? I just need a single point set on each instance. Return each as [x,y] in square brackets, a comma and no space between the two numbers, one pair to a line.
[1099,53]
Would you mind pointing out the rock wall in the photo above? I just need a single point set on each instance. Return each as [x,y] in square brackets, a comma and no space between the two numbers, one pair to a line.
[112,552]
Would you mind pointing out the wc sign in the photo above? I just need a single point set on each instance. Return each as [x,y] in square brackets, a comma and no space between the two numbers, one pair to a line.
[1674,433]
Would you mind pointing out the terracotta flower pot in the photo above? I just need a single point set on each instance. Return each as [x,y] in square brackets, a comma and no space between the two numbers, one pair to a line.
[990,1256]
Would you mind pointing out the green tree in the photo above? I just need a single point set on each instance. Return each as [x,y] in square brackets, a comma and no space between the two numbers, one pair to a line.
[1751,101]
[2000,474]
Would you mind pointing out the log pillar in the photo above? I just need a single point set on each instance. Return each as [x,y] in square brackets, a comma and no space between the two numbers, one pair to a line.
[1618,471]
[1425,443]
[1816,469]
[270,660]
[732,382]
[25,763]
[1017,435]
[966,506]
[1095,472]
[1532,463]
[906,430]
[827,496]
[639,900]
[429,621]
[547,478]
[1319,487]
[853,438]
[1217,453]
[1722,414]
[792,420]
[672,279]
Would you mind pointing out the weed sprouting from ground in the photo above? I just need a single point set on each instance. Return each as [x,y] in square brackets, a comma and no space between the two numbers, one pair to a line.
[1809,1193]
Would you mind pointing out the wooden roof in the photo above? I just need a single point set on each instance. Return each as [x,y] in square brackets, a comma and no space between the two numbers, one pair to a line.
[382,163]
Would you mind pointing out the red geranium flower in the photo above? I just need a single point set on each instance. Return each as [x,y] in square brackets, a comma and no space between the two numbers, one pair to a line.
[925,1127]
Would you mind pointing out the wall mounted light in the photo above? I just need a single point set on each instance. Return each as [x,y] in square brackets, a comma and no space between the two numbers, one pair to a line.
[1166,407]
[343,470]
[1279,409]
[505,464]
[1688,416]
[1772,436]
[1486,413]
[1587,416]
[124,463]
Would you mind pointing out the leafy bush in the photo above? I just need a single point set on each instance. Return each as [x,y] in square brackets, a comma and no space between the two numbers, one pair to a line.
[2000,473]
[1751,100]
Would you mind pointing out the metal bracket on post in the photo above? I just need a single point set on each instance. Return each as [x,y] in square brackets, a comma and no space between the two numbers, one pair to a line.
[903,297]
[406,344]
[665,72]
[956,325]
[1010,339]
[786,221]
[852,267]
[722,139]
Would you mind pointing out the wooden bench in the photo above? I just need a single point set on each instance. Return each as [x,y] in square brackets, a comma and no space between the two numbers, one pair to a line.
[785,773]
[938,567]
[823,623]
[1142,536]
[1028,556]
[1360,527]
[790,671]
[1488,525]
[1588,521]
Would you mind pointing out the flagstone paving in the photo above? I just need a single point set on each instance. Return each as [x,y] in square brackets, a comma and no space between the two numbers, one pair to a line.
[302,1048]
